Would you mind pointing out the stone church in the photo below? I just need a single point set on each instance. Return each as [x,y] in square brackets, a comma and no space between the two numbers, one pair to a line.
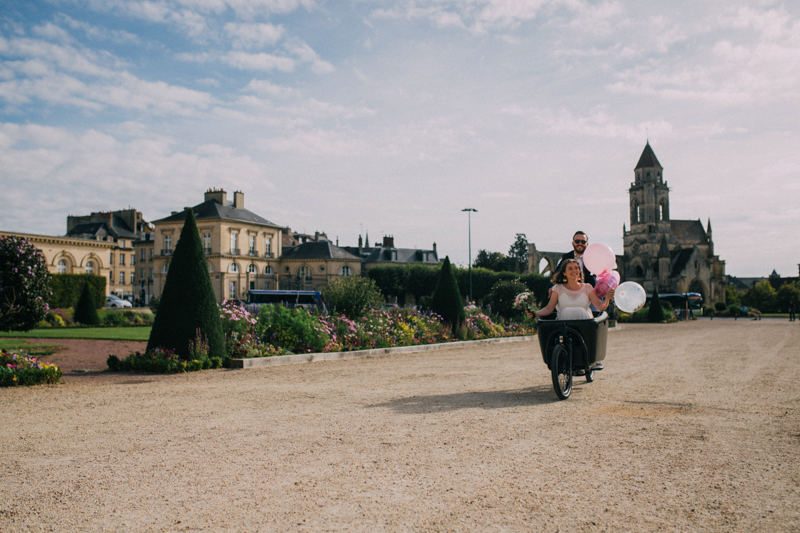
[674,256]
[664,253]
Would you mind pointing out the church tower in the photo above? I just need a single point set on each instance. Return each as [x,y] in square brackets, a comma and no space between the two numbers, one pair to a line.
[649,196]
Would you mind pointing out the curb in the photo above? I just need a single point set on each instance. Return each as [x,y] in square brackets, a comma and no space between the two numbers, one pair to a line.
[301,358]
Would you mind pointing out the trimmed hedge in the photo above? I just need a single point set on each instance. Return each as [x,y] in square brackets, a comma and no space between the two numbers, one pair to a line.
[67,289]
[86,311]
[446,300]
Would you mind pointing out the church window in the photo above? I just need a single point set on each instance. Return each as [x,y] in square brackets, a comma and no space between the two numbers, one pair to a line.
[639,272]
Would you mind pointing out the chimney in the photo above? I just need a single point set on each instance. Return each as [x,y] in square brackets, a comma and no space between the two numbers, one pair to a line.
[238,200]
[360,243]
[434,247]
[217,194]
[388,241]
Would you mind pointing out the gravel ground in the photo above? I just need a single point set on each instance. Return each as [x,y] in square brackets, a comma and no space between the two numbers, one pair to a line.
[691,427]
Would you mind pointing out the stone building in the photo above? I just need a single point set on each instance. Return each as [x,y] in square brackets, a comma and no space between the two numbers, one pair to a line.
[659,252]
[673,256]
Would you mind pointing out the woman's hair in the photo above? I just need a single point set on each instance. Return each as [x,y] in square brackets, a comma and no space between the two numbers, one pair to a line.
[560,277]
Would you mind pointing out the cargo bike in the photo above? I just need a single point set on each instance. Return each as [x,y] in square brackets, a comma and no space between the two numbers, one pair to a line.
[572,348]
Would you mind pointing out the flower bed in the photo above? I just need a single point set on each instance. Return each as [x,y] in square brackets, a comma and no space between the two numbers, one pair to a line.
[20,369]
[62,318]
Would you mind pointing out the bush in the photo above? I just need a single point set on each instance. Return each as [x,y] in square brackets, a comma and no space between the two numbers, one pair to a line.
[502,298]
[643,315]
[24,285]
[352,296]
[188,301]
[293,330]
[446,299]
[720,307]
[162,361]
[21,370]
[86,310]
[655,312]
[66,289]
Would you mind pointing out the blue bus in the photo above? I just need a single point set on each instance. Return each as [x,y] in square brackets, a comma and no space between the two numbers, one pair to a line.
[306,299]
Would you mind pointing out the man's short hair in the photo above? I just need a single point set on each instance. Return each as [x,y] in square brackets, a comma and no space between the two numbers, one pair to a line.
[580,233]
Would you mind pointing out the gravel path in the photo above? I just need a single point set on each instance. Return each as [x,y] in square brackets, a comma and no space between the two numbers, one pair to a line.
[691,427]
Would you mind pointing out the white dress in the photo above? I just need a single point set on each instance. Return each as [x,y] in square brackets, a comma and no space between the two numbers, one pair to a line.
[573,305]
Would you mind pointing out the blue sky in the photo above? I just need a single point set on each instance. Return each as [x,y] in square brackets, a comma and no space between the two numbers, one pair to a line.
[391,117]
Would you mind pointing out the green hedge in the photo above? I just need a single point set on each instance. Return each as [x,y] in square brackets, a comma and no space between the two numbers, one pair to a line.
[420,280]
[67,289]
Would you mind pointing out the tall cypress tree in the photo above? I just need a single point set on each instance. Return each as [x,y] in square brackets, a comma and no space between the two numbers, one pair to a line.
[86,309]
[188,302]
[446,300]
[656,311]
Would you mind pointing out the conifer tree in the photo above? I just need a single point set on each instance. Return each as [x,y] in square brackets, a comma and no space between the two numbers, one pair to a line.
[187,302]
[86,309]
[656,311]
[446,300]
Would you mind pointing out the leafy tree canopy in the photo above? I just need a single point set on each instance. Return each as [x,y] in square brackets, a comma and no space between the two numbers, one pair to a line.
[24,284]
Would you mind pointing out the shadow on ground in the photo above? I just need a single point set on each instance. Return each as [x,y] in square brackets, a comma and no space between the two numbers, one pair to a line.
[441,403]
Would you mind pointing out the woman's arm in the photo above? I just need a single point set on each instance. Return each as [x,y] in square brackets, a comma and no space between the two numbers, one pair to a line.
[550,306]
[598,303]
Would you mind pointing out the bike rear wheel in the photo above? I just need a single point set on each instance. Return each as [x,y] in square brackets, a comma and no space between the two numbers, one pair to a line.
[562,372]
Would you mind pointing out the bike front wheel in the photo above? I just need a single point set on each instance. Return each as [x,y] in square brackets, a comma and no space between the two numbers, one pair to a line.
[562,372]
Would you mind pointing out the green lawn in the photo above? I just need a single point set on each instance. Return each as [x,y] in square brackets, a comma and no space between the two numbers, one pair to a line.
[139,333]
[23,346]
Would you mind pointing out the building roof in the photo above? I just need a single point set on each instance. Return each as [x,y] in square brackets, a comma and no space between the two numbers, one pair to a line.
[213,210]
[680,258]
[317,250]
[399,255]
[689,232]
[119,229]
[648,159]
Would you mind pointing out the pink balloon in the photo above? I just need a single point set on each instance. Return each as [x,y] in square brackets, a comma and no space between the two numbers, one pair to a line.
[599,257]
[605,282]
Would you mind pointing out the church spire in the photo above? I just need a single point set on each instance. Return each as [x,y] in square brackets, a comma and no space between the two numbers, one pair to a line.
[648,159]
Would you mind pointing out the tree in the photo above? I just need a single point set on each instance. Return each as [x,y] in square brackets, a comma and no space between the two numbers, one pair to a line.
[518,254]
[492,261]
[86,309]
[761,296]
[788,293]
[446,300]
[24,284]
[656,311]
[187,302]
[352,295]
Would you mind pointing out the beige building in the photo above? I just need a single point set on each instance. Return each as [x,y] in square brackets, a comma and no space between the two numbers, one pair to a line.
[241,247]
[68,255]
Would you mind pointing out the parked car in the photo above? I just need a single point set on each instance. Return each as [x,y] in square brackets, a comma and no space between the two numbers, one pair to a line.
[116,301]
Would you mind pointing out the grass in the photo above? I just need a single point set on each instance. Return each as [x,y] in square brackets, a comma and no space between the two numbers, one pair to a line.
[136,333]
[23,346]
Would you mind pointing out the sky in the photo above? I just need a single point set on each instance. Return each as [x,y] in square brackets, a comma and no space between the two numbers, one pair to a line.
[389,117]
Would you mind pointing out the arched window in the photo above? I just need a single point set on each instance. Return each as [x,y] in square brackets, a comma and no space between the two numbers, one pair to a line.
[210,267]
[638,271]
[234,268]
[663,212]
[304,274]
[634,212]
[251,269]
[268,270]
[346,271]
[62,267]
[165,268]
[90,268]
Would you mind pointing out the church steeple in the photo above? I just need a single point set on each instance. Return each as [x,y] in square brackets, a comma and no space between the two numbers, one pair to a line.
[649,194]
[648,159]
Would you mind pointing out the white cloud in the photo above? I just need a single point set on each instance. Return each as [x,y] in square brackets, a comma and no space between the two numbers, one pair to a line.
[260,61]
[266,88]
[304,52]
[316,142]
[250,36]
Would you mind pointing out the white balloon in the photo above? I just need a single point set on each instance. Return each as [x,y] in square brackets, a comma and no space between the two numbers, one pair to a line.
[630,297]
[599,257]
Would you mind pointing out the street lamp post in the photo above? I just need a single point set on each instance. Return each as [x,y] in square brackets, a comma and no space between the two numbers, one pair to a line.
[469,211]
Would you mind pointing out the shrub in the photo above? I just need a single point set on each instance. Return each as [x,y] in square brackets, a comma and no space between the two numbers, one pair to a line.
[734,310]
[720,306]
[352,295]
[86,310]
[655,312]
[188,301]
[66,289]
[163,361]
[446,299]
[293,330]
[24,284]
[16,370]
[502,298]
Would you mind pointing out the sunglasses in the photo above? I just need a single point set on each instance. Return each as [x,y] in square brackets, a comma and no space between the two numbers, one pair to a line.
[580,241]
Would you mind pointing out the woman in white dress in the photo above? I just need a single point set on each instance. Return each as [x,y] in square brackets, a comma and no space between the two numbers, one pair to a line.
[571,297]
